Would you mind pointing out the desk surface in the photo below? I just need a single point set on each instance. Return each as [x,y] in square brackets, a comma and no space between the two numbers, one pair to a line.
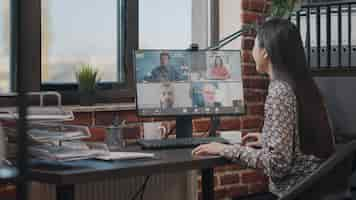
[83,171]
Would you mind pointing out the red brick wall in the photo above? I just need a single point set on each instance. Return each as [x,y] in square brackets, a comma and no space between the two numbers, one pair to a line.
[233,180]
[7,192]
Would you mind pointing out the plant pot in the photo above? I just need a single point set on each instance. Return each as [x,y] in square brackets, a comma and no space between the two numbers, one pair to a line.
[87,98]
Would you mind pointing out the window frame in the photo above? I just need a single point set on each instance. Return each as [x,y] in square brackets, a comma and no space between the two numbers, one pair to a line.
[108,93]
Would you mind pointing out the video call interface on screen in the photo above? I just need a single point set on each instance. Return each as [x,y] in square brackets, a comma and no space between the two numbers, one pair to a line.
[182,82]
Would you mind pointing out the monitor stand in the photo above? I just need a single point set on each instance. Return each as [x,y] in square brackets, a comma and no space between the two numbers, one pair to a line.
[184,127]
[214,124]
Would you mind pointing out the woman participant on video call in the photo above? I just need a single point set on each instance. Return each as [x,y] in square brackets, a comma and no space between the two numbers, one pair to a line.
[296,137]
[219,70]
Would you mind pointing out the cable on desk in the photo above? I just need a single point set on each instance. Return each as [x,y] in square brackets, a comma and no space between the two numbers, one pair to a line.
[141,190]
[144,187]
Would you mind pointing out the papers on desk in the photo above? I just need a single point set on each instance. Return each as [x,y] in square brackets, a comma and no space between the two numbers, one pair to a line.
[125,156]
[46,135]
[64,152]
[69,151]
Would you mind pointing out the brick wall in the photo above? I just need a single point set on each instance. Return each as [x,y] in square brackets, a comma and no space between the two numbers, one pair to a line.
[231,180]
[234,180]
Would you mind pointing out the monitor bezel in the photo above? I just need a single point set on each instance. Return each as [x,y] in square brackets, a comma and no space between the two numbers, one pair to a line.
[173,115]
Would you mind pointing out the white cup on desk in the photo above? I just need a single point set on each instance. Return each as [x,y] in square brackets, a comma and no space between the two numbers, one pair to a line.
[153,130]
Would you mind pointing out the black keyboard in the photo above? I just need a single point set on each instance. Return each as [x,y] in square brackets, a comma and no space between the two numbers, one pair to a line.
[179,142]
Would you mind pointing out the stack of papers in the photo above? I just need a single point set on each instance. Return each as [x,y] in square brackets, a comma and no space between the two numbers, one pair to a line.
[62,153]
[46,135]
[49,132]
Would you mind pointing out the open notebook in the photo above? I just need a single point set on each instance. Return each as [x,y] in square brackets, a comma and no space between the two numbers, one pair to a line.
[119,155]
[125,155]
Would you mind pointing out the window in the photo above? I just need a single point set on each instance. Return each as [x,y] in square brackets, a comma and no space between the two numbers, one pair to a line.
[63,34]
[229,21]
[100,33]
[5,46]
[157,32]
[172,24]
[88,32]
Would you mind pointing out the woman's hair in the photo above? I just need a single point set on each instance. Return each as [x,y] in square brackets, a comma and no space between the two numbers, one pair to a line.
[284,46]
[218,59]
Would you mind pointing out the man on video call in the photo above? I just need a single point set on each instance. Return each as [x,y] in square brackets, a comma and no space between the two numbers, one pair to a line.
[165,71]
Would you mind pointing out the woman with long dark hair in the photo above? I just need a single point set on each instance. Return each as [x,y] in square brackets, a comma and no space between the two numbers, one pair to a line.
[296,137]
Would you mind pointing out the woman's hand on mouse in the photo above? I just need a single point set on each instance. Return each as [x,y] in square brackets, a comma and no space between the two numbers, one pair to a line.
[209,149]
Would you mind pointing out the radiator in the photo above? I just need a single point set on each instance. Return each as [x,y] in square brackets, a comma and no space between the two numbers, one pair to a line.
[173,186]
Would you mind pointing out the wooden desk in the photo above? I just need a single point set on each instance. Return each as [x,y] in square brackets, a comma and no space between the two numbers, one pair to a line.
[66,175]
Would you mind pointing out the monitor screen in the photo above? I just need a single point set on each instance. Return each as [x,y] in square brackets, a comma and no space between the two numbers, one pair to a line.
[183,82]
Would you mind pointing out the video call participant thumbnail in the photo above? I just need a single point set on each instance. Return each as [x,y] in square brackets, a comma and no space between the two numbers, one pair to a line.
[165,71]
[219,70]
[205,95]
[167,96]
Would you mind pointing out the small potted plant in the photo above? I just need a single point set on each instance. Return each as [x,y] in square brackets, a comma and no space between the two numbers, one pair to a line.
[87,77]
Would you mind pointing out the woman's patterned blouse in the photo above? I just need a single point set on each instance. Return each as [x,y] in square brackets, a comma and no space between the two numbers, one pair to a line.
[280,156]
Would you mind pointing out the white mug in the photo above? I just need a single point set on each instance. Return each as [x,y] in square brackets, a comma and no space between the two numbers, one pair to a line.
[153,130]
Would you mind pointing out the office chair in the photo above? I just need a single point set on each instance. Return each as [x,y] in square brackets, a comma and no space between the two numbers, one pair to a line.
[331,181]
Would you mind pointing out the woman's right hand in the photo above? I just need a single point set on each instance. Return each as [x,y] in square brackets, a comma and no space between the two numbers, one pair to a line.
[252,140]
[213,148]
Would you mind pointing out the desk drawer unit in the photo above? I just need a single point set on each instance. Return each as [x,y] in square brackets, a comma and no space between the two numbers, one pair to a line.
[173,186]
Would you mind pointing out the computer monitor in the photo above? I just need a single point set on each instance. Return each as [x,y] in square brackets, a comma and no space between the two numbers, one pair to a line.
[185,83]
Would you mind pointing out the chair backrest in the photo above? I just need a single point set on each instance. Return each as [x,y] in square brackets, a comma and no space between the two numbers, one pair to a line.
[339,95]
[330,181]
